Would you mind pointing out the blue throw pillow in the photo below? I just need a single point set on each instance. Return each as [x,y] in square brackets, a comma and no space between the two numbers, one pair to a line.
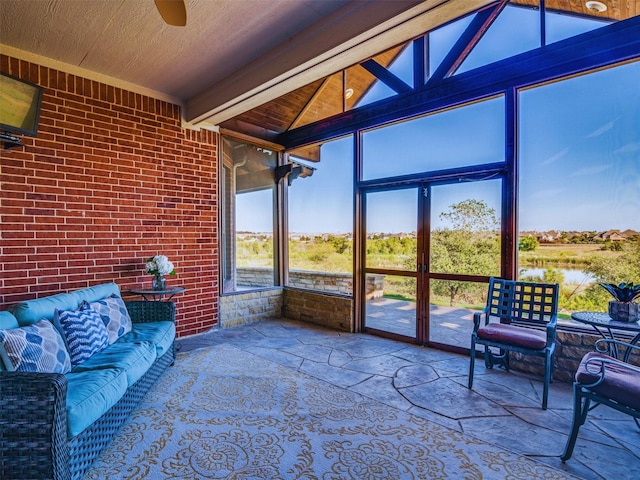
[84,332]
[115,316]
[34,348]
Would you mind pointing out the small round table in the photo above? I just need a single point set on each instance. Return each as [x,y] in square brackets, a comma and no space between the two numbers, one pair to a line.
[605,325]
[151,295]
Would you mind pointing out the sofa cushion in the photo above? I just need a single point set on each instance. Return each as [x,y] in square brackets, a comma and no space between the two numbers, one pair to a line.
[84,332]
[134,358]
[115,316]
[8,320]
[31,311]
[161,334]
[90,394]
[34,348]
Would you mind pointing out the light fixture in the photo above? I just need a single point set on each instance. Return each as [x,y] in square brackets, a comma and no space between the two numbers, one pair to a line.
[348,93]
[596,7]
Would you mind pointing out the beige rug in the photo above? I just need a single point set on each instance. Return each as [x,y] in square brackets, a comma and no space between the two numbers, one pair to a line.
[222,413]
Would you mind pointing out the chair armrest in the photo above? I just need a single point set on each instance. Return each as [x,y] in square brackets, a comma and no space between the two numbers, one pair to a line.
[551,329]
[142,311]
[602,345]
[33,425]
[596,366]
[477,318]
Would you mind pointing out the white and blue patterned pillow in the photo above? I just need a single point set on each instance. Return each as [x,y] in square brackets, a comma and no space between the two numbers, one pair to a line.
[115,316]
[34,348]
[84,332]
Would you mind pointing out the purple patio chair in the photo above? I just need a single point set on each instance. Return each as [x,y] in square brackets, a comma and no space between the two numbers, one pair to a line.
[603,380]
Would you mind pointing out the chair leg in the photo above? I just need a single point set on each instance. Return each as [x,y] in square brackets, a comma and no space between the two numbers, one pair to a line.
[580,410]
[488,358]
[472,362]
[548,372]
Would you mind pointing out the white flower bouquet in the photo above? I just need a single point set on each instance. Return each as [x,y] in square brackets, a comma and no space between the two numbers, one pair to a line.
[159,265]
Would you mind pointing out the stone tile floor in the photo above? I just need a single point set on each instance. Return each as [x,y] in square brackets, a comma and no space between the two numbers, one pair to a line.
[503,408]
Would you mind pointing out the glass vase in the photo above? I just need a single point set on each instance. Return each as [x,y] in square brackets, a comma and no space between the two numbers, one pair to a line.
[159,282]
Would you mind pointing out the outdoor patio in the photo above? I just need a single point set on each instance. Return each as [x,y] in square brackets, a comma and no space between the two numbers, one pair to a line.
[503,408]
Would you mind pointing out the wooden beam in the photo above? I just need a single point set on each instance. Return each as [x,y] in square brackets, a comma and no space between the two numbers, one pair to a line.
[615,43]
[385,76]
[467,41]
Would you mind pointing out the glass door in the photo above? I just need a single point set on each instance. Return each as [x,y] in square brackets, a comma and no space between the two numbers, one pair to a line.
[430,249]
[391,277]
[464,246]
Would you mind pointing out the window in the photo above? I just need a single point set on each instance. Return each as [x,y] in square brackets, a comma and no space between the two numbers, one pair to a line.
[247,243]
[579,184]
[320,207]
[469,135]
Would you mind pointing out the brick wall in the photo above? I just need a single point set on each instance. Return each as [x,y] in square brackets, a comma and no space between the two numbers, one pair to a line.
[111,179]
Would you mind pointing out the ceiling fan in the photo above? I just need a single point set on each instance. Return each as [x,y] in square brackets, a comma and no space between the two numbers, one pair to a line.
[173,12]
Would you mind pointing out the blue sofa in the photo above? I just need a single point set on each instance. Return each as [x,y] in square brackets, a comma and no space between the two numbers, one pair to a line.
[54,425]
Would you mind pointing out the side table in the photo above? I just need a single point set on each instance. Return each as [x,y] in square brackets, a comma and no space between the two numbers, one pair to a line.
[151,295]
[605,326]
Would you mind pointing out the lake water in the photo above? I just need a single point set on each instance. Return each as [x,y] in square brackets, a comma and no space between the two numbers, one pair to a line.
[570,275]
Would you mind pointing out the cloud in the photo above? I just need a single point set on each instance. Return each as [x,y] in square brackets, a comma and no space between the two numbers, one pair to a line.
[592,170]
[548,193]
[605,128]
[556,157]
[630,147]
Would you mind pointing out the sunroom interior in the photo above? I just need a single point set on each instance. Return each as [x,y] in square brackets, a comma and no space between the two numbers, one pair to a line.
[395,145]
[347,189]
[366,168]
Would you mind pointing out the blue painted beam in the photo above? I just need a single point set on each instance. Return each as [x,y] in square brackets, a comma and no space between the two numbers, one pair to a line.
[615,43]
[467,41]
[385,76]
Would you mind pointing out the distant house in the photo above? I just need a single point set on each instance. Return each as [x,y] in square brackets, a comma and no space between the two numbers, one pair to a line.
[612,236]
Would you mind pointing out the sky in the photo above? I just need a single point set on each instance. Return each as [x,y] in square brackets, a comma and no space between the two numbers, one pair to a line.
[579,148]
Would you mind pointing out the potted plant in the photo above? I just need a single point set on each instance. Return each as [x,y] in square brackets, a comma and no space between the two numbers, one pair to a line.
[623,308]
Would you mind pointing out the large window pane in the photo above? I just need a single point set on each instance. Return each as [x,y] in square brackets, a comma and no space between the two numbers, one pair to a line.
[248,179]
[465,230]
[321,218]
[516,30]
[579,184]
[468,135]
[392,229]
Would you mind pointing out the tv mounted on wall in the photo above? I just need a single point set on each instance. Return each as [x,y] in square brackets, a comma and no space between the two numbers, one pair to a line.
[20,103]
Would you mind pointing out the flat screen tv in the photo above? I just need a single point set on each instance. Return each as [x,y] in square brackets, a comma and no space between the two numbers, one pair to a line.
[19,105]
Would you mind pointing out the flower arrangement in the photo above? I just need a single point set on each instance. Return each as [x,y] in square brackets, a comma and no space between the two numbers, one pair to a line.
[159,265]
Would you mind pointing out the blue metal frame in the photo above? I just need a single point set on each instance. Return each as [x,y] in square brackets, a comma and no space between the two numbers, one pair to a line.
[606,46]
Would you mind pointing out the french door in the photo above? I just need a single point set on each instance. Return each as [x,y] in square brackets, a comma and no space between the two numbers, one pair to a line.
[430,248]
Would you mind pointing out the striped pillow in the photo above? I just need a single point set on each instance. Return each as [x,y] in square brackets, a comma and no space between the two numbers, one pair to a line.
[84,332]
[115,316]
[34,348]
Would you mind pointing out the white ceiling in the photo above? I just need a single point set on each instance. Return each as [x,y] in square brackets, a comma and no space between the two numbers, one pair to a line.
[233,54]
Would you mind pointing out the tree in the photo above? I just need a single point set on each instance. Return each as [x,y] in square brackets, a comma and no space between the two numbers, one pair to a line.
[528,244]
[469,245]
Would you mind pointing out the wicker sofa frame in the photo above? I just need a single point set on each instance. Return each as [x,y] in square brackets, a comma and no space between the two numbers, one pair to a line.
[33,426]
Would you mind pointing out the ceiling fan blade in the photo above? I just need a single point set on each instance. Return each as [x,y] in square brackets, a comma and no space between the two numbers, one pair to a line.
[173,12]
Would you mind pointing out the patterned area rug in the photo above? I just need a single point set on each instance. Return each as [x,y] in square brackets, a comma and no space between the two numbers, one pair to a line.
[222,413]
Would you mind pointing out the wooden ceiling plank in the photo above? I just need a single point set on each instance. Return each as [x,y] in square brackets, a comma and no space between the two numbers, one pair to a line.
[308,105]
